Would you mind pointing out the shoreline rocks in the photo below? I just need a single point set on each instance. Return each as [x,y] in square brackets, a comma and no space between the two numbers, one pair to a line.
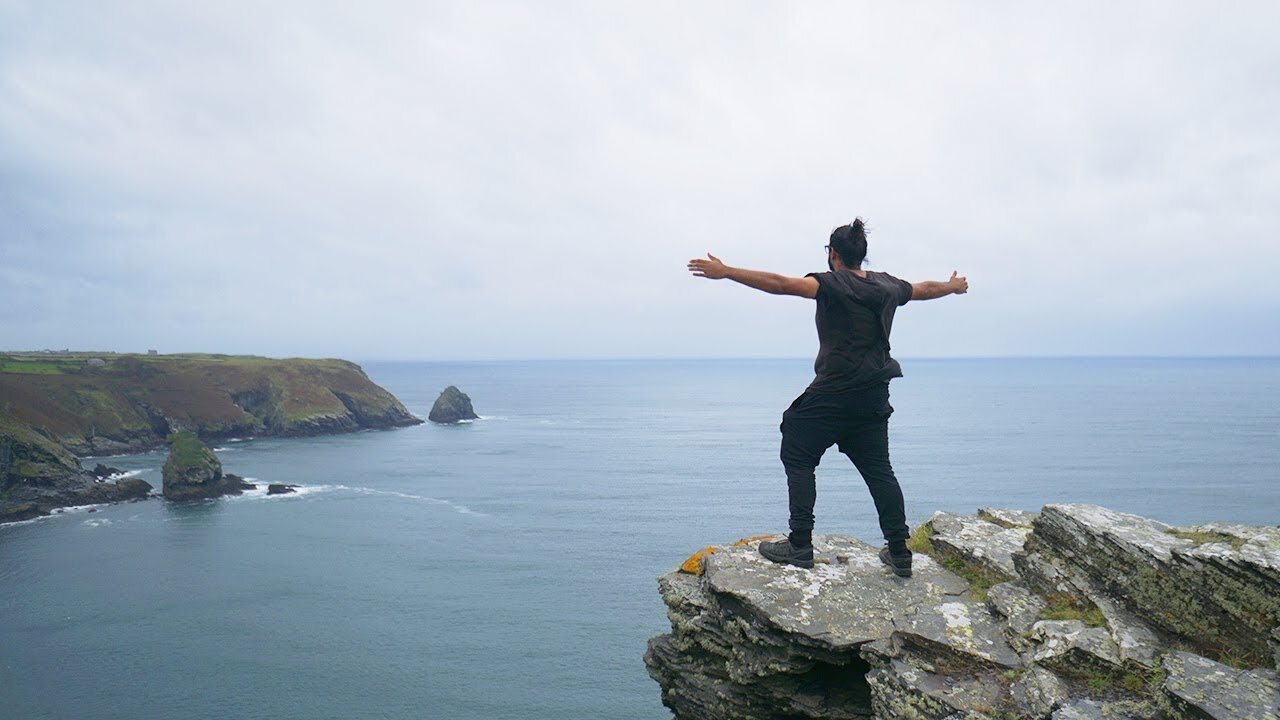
[1050,615]
[193,472]
[452,406]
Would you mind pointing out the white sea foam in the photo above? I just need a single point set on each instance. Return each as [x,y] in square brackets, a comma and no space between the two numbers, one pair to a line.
[71,510]
[457,507]
[75,509]
[260,492]
[97,522]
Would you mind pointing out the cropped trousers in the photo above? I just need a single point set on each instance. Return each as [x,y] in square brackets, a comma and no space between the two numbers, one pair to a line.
[856,421]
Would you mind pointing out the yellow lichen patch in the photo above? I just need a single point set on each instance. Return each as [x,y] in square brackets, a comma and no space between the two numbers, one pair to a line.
[752,539]
[693,565]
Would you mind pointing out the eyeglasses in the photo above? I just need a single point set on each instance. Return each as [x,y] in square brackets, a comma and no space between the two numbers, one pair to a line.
[827,248]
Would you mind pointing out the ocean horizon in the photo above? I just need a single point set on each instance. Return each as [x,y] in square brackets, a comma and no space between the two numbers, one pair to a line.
[505,568]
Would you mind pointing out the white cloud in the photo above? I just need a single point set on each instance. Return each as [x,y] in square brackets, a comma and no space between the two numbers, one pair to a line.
[495,180]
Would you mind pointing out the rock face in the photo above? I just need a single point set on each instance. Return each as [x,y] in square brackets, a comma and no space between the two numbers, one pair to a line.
[37,475]
[452,406]
[193,472]
[1008,614]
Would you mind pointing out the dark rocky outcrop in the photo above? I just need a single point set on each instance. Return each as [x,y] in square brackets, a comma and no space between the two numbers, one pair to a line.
[193,472]
[1073,612]
[280,489]
[38,475]
[452,406]
[102,472]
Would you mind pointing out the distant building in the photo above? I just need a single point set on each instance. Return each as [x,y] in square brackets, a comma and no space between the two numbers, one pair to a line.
[152,352]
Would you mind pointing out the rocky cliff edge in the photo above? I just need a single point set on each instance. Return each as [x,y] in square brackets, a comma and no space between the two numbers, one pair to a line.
[1074,612]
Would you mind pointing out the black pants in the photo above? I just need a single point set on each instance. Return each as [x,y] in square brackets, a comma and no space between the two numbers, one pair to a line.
[857,422]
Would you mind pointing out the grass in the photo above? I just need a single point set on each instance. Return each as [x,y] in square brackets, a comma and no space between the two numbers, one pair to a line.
[32,367]
[1061,606]
[1201,537]
[186,450]
[921,540]
[121,400]
[1102,684]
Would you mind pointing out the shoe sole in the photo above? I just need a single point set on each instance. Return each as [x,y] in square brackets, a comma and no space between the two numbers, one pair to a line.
[806,564]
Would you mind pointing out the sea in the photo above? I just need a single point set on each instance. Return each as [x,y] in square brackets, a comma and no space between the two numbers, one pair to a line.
[506,568]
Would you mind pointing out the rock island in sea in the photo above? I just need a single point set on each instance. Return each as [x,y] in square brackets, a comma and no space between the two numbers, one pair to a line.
[55,408]
[1075,612]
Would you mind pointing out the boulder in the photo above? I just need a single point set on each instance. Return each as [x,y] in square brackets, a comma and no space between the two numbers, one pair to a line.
[452,406]
[131,489]
[1213,586]
[279,489]
[1196,688]
[974,541]
[1018,605]
[103,472]
[1071,646]
[1039,691]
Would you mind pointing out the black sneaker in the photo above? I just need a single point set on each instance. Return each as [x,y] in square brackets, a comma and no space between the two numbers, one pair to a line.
[784,552]
[901,564]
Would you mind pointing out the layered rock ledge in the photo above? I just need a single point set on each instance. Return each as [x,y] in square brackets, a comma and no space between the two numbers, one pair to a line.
[1077,611]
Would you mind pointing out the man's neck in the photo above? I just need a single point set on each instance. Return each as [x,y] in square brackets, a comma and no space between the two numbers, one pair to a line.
[856,271]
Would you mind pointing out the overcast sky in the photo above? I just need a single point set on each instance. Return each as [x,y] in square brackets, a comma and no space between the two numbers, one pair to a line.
[473,180]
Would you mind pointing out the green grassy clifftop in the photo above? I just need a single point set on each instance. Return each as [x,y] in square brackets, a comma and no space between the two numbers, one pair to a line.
[105,403]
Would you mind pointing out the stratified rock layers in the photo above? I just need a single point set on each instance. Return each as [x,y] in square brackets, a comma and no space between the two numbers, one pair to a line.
[1076,630]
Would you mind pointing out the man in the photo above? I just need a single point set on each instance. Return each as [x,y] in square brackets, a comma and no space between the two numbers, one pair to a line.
[847,404]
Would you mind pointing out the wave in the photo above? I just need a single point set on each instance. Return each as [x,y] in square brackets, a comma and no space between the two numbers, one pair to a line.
[57,512]
[457,507]
[303,490]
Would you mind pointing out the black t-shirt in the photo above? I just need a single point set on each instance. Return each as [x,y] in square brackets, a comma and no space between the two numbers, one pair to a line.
[854,317]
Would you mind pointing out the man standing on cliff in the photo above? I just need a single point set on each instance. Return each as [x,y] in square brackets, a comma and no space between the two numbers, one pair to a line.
[847,404]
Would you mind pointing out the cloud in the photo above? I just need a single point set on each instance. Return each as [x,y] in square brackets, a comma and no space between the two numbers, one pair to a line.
[495,180]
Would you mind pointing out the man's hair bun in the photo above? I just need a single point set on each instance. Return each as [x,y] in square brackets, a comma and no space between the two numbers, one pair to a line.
[850,242]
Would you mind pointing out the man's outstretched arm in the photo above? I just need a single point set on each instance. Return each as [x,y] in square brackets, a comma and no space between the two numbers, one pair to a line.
[931,289]
[774,283]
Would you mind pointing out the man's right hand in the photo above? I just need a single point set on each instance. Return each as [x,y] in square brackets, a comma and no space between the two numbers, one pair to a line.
[959,285]
[711,269]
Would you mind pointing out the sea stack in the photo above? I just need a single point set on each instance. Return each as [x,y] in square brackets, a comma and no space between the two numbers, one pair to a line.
[193,472]
[452,406]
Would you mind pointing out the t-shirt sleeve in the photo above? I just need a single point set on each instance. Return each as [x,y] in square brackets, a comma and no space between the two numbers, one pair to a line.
[824,283]
[903,290]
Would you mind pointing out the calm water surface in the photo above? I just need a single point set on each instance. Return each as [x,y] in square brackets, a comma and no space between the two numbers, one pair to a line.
[505,568]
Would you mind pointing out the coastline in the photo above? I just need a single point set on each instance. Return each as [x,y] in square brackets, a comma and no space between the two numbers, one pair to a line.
[62,409]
